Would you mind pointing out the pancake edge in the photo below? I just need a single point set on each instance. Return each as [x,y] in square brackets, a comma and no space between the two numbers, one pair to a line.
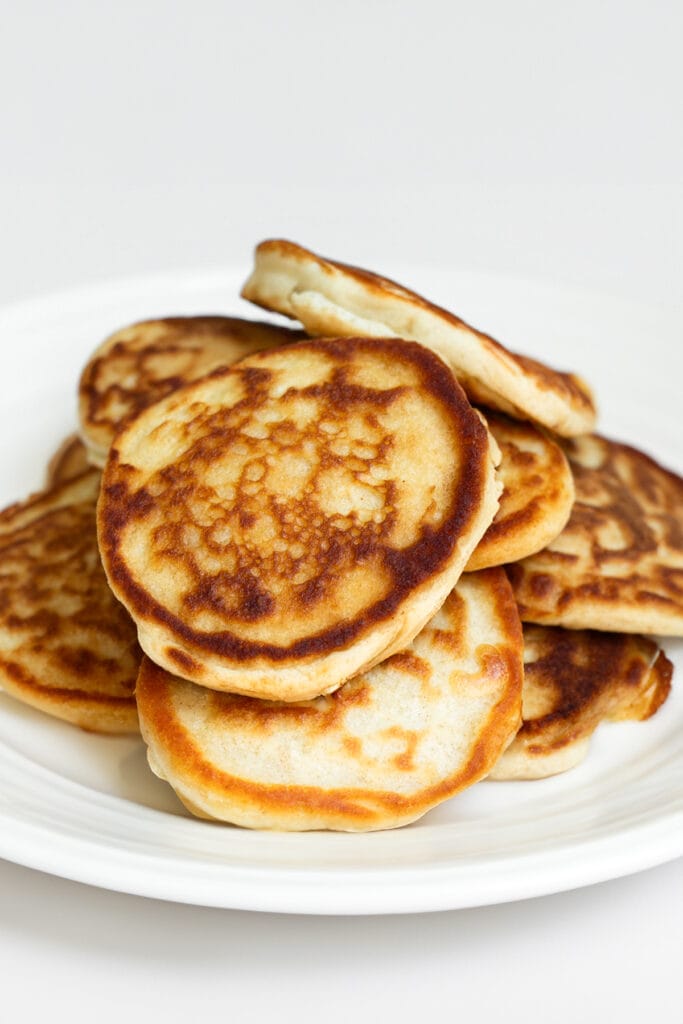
[393,309]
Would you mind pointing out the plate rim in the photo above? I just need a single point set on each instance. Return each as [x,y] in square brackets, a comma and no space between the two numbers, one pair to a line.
[376,889]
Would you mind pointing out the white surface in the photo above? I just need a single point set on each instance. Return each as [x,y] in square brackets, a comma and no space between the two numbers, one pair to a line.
[89,809]
[539,139]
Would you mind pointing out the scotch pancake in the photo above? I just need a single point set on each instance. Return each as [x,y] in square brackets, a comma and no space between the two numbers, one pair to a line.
[573,681]
[272,530]
[538,493]
[67,646]
[334,299]
[377,753]
[70,459]
[148,360]
[618,563]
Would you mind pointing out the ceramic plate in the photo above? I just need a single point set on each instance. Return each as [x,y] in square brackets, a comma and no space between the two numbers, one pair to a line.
[87,808]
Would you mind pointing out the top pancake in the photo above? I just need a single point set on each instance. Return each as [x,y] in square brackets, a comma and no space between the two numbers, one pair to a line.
[574,679]
[334,299]
[148,360]
[67,646]
[538,493]
[618,563]
[388,745]
[272,529]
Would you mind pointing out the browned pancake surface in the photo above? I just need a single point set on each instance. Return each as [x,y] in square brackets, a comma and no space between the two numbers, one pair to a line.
[573,681]
[618,564]
[142,363]
[309,499]
[537,498]
[66,645]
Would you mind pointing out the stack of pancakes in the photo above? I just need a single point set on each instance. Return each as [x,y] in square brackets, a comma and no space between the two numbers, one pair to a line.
[325,541]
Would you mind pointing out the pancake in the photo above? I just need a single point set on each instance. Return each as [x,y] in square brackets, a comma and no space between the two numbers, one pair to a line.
[378,753]
[67,646]
[334,299]
[538,493]
[573,681]
[148,360]
[70,459]
[270,528]
[618,563]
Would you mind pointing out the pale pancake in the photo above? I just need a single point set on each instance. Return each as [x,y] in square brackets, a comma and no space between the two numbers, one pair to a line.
[537,498]
[573,681]
[378,753]
[70,459]
[148,360]
[333,299]
[67,646]
[272,530]
[618,563]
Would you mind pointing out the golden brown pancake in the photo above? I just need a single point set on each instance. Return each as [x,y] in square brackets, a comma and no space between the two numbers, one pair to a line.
[538,493]
[146,361]
[573,681]
[288,522]
[618,563]
[67,646]
[70,459]
[378,753]
[334,299]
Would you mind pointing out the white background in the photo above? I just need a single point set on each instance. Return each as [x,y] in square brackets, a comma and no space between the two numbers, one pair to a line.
[531,138]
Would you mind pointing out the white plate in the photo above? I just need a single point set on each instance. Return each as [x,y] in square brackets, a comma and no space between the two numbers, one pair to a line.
[87,808]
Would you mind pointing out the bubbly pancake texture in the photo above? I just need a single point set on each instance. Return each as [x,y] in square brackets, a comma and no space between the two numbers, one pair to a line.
[67,646]
[573,681]
[378,753]
[70,459]
[284,524]
[148,360]
[335,299]
[618,563]
[537,498]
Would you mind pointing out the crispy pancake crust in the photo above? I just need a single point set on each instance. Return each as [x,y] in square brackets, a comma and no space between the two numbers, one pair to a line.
[70,459]
[378,753]
[336,299]
[142,363]
[573,681]
[618,563]
[537,498]
[273,530]
[67,646]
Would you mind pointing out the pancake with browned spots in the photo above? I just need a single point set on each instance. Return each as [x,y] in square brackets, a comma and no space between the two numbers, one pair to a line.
[288,522]
[67,646]
[538,493]
[70,459]
[144,362]
[574,680]
[333,299]
[618,563]
[378,753]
